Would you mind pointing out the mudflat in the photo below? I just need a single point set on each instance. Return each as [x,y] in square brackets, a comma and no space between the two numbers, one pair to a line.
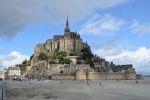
[78,90]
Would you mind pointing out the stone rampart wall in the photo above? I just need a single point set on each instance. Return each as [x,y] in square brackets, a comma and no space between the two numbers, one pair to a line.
[80,76]
[130,76]
[95,76]
[107,76]
[63,77]
[116,75]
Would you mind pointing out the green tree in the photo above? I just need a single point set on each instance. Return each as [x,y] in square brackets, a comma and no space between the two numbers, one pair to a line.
[86,54]
[92,64]
[22,68]
[31,56]
[66,61]
[43,56]
[52,62]
[25,61]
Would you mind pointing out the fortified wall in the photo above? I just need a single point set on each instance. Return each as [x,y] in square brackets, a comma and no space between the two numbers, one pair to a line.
[63,77]
[128,75]
[81,72]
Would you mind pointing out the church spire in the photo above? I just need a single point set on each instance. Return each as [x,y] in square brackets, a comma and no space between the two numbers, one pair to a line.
[67,24]
[67,29]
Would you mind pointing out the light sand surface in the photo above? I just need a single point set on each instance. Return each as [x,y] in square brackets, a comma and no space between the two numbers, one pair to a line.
[77,90]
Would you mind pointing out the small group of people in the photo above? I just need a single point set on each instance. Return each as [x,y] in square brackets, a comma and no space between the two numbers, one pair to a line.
[40,78]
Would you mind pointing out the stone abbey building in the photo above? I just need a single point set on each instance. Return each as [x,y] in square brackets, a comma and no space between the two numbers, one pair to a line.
[70,42]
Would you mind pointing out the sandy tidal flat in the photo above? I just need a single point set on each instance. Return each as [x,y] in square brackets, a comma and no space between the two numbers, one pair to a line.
[78,90]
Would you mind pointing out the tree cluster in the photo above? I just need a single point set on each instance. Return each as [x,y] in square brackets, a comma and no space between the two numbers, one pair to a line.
[23,66]
[57,57]
[86,56]
[42,56]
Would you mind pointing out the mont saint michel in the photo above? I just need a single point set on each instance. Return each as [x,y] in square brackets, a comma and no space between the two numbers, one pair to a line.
[74,50]
[68,57]
[66,65]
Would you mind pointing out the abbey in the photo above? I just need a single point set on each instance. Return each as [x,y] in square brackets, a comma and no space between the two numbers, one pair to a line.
[70,42]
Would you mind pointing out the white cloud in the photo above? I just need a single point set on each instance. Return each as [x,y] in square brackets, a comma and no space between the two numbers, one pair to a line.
[101,25]
[110,47]
[119,54]
[12,59]
[140,58]
[140,28]
[18,14]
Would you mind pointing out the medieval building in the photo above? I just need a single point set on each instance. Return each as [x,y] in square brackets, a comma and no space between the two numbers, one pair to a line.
[70,42]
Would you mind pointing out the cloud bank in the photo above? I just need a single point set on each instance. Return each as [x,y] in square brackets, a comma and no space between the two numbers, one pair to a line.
[101,25]
[12,59]
[142,28]
[18,14]
[120,55]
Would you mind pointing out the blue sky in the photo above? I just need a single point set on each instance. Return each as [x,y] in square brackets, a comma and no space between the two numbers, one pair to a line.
[117,30]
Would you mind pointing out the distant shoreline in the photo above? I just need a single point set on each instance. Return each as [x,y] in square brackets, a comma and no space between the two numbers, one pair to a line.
[146,75]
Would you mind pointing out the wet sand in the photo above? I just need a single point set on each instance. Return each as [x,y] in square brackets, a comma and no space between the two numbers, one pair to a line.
[77,90]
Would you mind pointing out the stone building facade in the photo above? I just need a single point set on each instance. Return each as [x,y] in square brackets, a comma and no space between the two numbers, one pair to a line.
[91,75]
[12,72]
[70,42]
